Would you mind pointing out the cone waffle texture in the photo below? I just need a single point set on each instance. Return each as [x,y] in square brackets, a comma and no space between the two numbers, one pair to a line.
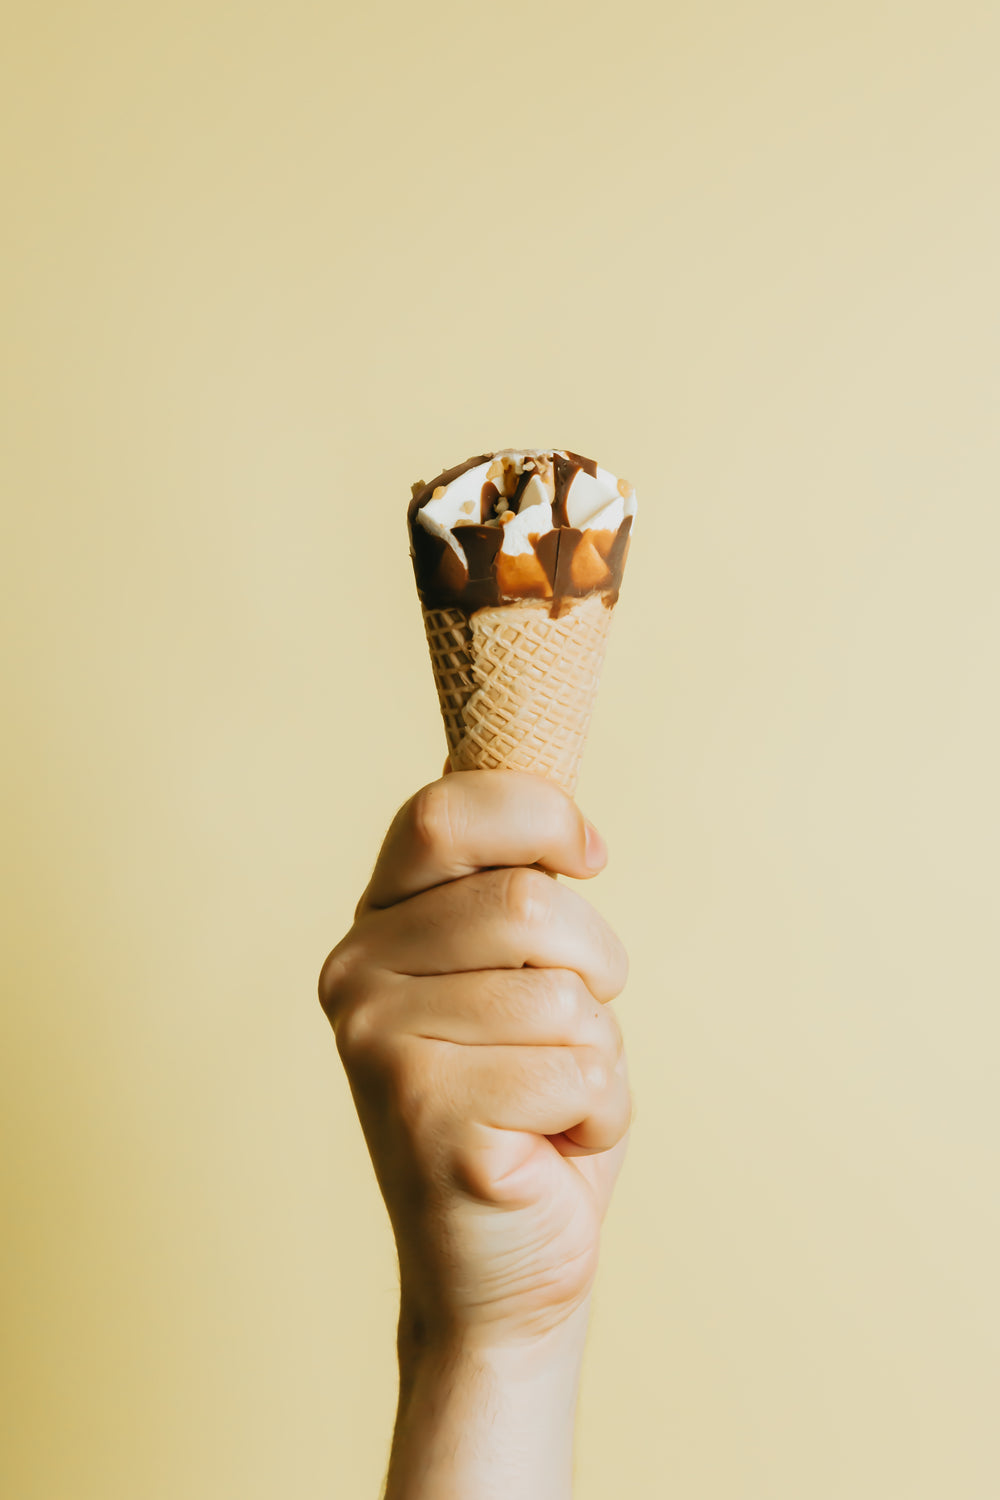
[516,686]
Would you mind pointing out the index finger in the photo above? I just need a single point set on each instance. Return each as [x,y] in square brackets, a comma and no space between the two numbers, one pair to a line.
[478,820]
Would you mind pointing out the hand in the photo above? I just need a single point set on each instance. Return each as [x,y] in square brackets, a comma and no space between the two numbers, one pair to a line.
[470,1006]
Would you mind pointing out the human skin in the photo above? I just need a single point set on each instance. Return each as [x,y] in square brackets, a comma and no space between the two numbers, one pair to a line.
[471,1006]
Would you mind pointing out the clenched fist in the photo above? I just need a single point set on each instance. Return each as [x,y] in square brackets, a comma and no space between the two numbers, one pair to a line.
[470,1002]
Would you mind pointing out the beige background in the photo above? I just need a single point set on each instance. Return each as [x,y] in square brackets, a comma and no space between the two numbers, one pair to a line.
[264,266]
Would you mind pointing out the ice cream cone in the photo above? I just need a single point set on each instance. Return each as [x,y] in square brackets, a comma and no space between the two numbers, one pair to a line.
[518,559]
[517,686]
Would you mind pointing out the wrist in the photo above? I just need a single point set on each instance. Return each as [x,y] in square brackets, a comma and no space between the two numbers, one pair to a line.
[478,1419]
[427,1335]
[544,1359]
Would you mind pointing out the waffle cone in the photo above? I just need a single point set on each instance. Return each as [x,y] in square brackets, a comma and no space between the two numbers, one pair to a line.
[516,686]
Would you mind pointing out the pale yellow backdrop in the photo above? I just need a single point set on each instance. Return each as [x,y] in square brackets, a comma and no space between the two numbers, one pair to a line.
[263,266]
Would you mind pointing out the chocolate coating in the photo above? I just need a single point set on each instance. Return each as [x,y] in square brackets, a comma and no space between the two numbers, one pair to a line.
[571,562]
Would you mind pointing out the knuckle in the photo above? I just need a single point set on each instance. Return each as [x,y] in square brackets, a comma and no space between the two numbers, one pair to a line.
[606,1039]
[432,818]
[526,896]
[621,1111]
[335,979]
[616,959]
[595,1074]
[570,1004]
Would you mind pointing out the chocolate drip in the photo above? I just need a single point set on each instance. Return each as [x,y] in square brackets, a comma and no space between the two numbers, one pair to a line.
[547,551]
[480,545]
[488,497]
[564,471]
[556,551]
[562,584]
[523,480]
[439,571]
[616,558]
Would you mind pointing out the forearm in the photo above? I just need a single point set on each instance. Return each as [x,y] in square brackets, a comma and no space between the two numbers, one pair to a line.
[488,1424]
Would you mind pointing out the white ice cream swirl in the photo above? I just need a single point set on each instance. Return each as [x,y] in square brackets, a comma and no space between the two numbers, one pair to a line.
[597,502]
